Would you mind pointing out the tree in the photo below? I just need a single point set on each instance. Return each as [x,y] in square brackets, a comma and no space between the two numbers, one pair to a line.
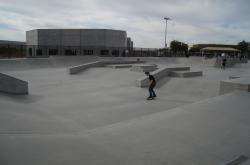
[177,46]
[243,46]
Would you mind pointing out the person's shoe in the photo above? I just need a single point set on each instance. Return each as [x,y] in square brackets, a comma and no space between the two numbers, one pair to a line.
[150,98]
[154,96]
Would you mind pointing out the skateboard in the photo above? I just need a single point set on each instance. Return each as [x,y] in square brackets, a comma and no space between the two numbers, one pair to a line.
[150,98]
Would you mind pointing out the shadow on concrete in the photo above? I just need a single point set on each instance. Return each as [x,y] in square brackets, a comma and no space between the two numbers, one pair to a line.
[162,82]
[25,99]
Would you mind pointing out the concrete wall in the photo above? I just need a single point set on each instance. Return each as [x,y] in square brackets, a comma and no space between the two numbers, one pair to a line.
[115,38]
[76,40]
[91,37]
[77,37]
[12,85]
[32,37]
[49,37]
[71,37]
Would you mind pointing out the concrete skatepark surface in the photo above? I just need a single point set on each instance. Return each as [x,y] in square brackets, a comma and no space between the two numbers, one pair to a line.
[101,117]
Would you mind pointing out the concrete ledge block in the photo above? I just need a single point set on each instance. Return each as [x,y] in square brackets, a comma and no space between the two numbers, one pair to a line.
[227,86]
[12,85]
[144,68]
[119,66]
[80,68]
[158,74]
[233,77]
[185,73]
[122,62]
[179,68]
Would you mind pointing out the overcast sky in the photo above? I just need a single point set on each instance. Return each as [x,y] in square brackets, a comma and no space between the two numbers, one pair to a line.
[193,21]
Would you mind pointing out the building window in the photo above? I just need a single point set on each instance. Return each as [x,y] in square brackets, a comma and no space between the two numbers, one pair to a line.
[70,52]
[30,51]
[39,52]
[88,52]
[53,52]
[104,52]
[115,52]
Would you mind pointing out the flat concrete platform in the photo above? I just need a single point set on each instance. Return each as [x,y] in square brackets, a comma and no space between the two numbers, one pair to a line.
[100,117]
[242,84]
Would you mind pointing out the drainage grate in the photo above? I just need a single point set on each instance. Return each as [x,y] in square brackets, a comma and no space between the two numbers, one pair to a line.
[238,160]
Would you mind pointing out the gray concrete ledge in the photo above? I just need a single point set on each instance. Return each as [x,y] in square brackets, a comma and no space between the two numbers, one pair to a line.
[12,85]
[80,68]
[178,68]
[144,68]
[233,77]
[119,66]
[116,62]
[227,86]
[158,74]
[185,73]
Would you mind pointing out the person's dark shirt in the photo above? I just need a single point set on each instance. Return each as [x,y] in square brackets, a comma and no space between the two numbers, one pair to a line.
[153,79]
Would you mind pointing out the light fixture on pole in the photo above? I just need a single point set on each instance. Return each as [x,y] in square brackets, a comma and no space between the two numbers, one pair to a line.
[167,19]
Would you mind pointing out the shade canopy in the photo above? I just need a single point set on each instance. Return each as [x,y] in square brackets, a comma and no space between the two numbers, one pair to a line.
[228,49]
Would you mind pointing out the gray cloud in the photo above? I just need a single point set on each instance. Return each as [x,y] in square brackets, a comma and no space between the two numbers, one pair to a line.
[193,21]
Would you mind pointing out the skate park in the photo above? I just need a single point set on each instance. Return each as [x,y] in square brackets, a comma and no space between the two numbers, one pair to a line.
[93,110]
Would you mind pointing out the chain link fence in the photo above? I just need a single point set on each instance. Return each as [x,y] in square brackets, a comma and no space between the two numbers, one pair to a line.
[21,51]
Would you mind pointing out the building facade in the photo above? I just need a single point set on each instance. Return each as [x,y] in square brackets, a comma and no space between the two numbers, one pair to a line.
[72,42]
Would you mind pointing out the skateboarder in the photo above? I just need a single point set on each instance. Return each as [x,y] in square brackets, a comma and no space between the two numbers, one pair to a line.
[152,84]
[224,62]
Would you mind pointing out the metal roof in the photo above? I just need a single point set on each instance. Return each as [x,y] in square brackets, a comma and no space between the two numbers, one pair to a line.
[220,49]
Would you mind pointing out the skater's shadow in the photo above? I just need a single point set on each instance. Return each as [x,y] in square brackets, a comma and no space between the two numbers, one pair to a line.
[162,82]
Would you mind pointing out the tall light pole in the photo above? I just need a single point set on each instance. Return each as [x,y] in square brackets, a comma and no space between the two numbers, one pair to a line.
[167,19]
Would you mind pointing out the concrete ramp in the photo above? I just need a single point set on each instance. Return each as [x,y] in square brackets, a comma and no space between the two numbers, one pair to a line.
[12,85]
[214,131]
